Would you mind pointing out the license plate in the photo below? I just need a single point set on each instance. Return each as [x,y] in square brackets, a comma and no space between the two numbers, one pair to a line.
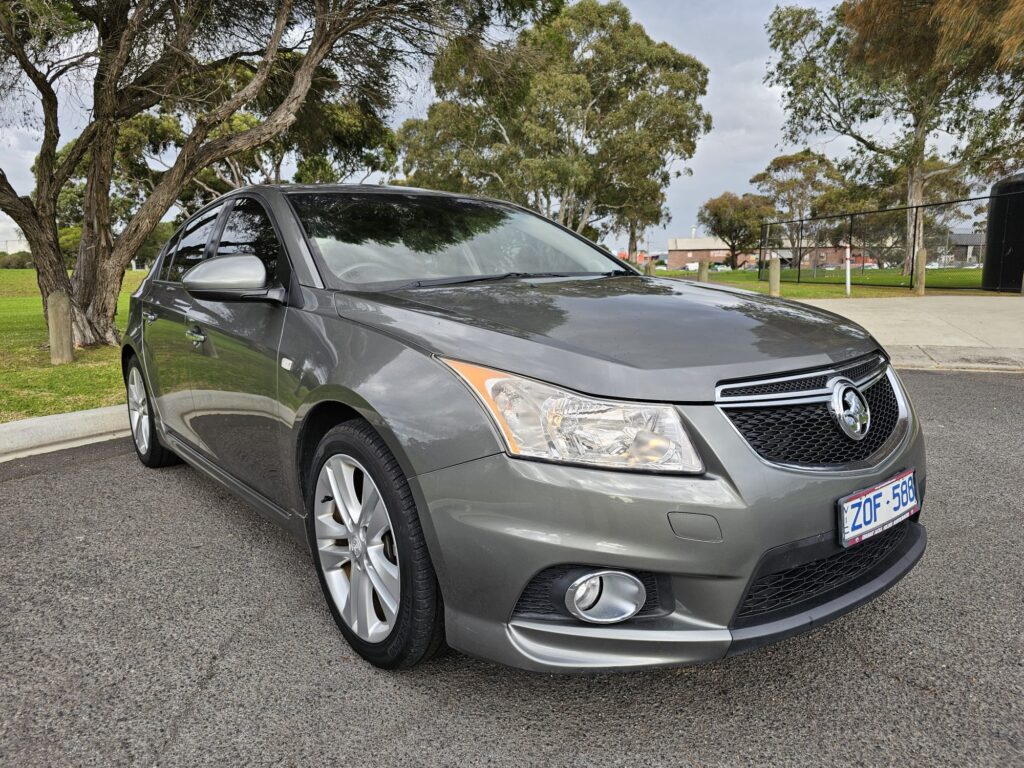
[876,509]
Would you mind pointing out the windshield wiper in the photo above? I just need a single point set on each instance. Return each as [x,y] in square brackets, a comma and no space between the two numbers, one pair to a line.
[486,278]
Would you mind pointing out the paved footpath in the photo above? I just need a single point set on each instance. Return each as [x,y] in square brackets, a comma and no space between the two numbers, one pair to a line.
[936,332]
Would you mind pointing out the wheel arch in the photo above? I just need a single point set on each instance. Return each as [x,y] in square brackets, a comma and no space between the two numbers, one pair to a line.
[127,353]
[330,407]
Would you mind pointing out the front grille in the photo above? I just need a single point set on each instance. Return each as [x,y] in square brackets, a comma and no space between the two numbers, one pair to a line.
[808,435]
[538,600]
[856,370]
[776,387]
[862,371]
[774,594]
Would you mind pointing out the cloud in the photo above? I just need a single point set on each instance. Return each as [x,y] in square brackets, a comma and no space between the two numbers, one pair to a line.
[18,147]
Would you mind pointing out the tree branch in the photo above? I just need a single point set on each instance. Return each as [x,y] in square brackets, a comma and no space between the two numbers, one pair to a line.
[17,207]
[48,99]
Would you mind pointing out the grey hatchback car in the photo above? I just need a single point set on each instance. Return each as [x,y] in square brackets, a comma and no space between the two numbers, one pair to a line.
[493,434]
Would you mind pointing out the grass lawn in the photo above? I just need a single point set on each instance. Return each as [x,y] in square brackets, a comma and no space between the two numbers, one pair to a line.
[832,285]
[29,385]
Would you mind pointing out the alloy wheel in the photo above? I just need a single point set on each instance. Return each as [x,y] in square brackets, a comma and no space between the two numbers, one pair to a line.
[138,410]
[356,546]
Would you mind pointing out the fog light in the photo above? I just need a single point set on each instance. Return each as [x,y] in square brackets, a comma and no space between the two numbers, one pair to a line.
[605,597]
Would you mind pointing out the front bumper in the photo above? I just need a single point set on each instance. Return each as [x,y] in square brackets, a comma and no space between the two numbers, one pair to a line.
[495,523]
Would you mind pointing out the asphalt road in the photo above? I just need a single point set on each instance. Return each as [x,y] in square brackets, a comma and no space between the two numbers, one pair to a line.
[149,618]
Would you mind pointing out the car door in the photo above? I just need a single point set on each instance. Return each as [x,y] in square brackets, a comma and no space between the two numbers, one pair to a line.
[166,348]
[233,366]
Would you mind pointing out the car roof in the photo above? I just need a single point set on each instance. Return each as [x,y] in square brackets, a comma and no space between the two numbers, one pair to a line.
[374,188]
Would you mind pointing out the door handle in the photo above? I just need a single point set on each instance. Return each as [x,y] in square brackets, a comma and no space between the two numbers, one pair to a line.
[196,336]
[148,316]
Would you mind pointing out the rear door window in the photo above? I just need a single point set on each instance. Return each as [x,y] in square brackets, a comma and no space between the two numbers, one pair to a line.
[165,263]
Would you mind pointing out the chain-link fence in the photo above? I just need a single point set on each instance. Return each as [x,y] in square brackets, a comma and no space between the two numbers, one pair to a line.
[883,245]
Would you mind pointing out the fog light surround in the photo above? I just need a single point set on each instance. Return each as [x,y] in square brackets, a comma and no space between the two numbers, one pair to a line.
[605,597]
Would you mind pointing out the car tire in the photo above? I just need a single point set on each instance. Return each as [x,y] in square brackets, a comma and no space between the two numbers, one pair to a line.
[141,420]
[360,564]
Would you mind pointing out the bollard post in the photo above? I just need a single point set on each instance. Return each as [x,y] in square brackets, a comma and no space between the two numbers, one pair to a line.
[649,268]
[58,317]
[774,276]
[702,271]
[920,260]
[847,267]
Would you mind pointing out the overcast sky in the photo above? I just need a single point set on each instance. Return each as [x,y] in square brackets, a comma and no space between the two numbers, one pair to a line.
[726,35]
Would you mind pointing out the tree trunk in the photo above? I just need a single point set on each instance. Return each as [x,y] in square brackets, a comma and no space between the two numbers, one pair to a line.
[584,217]
[915,215]
[101,312]
[51,275]
[631,254]
[97,239]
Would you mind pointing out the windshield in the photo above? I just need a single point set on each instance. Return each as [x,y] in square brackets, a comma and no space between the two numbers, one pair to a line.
[367,238]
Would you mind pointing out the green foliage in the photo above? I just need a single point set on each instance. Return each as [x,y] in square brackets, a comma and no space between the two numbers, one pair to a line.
[146,255]
[69,238]
[16,260]
[583,117]
[332,138]
[794,182]
[330,141]
[736,220]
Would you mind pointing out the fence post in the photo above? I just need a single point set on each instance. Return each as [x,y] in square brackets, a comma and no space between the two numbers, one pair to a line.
[774,276]
[849,239]
[799,246]
[58,317]
[848,257]
[920,262]
[760,250]
[913,251]
[702,271]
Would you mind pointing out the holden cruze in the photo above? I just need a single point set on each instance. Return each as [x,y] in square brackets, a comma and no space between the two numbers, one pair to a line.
[493,434]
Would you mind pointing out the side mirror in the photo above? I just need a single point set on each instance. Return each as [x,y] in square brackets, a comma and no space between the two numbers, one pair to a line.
[239,277]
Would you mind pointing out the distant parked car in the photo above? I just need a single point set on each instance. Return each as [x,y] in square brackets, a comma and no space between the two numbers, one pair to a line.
[490,432]
[721,268]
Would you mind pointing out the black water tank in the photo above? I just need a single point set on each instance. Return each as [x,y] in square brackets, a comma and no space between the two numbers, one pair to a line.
[1004,238]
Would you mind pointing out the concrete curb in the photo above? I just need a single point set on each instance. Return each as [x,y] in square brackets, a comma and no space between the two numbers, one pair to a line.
[44,434]
[949,358]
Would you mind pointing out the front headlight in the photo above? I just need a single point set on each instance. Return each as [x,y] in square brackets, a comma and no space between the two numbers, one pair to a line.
[541,421]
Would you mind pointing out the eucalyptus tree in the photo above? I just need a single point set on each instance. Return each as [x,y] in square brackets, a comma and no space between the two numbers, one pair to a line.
[100,63]
[582,116]
[886,76]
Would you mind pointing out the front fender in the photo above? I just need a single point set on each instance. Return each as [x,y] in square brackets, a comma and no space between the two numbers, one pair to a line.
[425,414]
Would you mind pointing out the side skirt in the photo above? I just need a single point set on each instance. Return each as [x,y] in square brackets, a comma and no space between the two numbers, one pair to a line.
[276,514]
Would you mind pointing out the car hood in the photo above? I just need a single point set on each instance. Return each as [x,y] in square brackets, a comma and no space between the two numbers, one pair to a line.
[625,337]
